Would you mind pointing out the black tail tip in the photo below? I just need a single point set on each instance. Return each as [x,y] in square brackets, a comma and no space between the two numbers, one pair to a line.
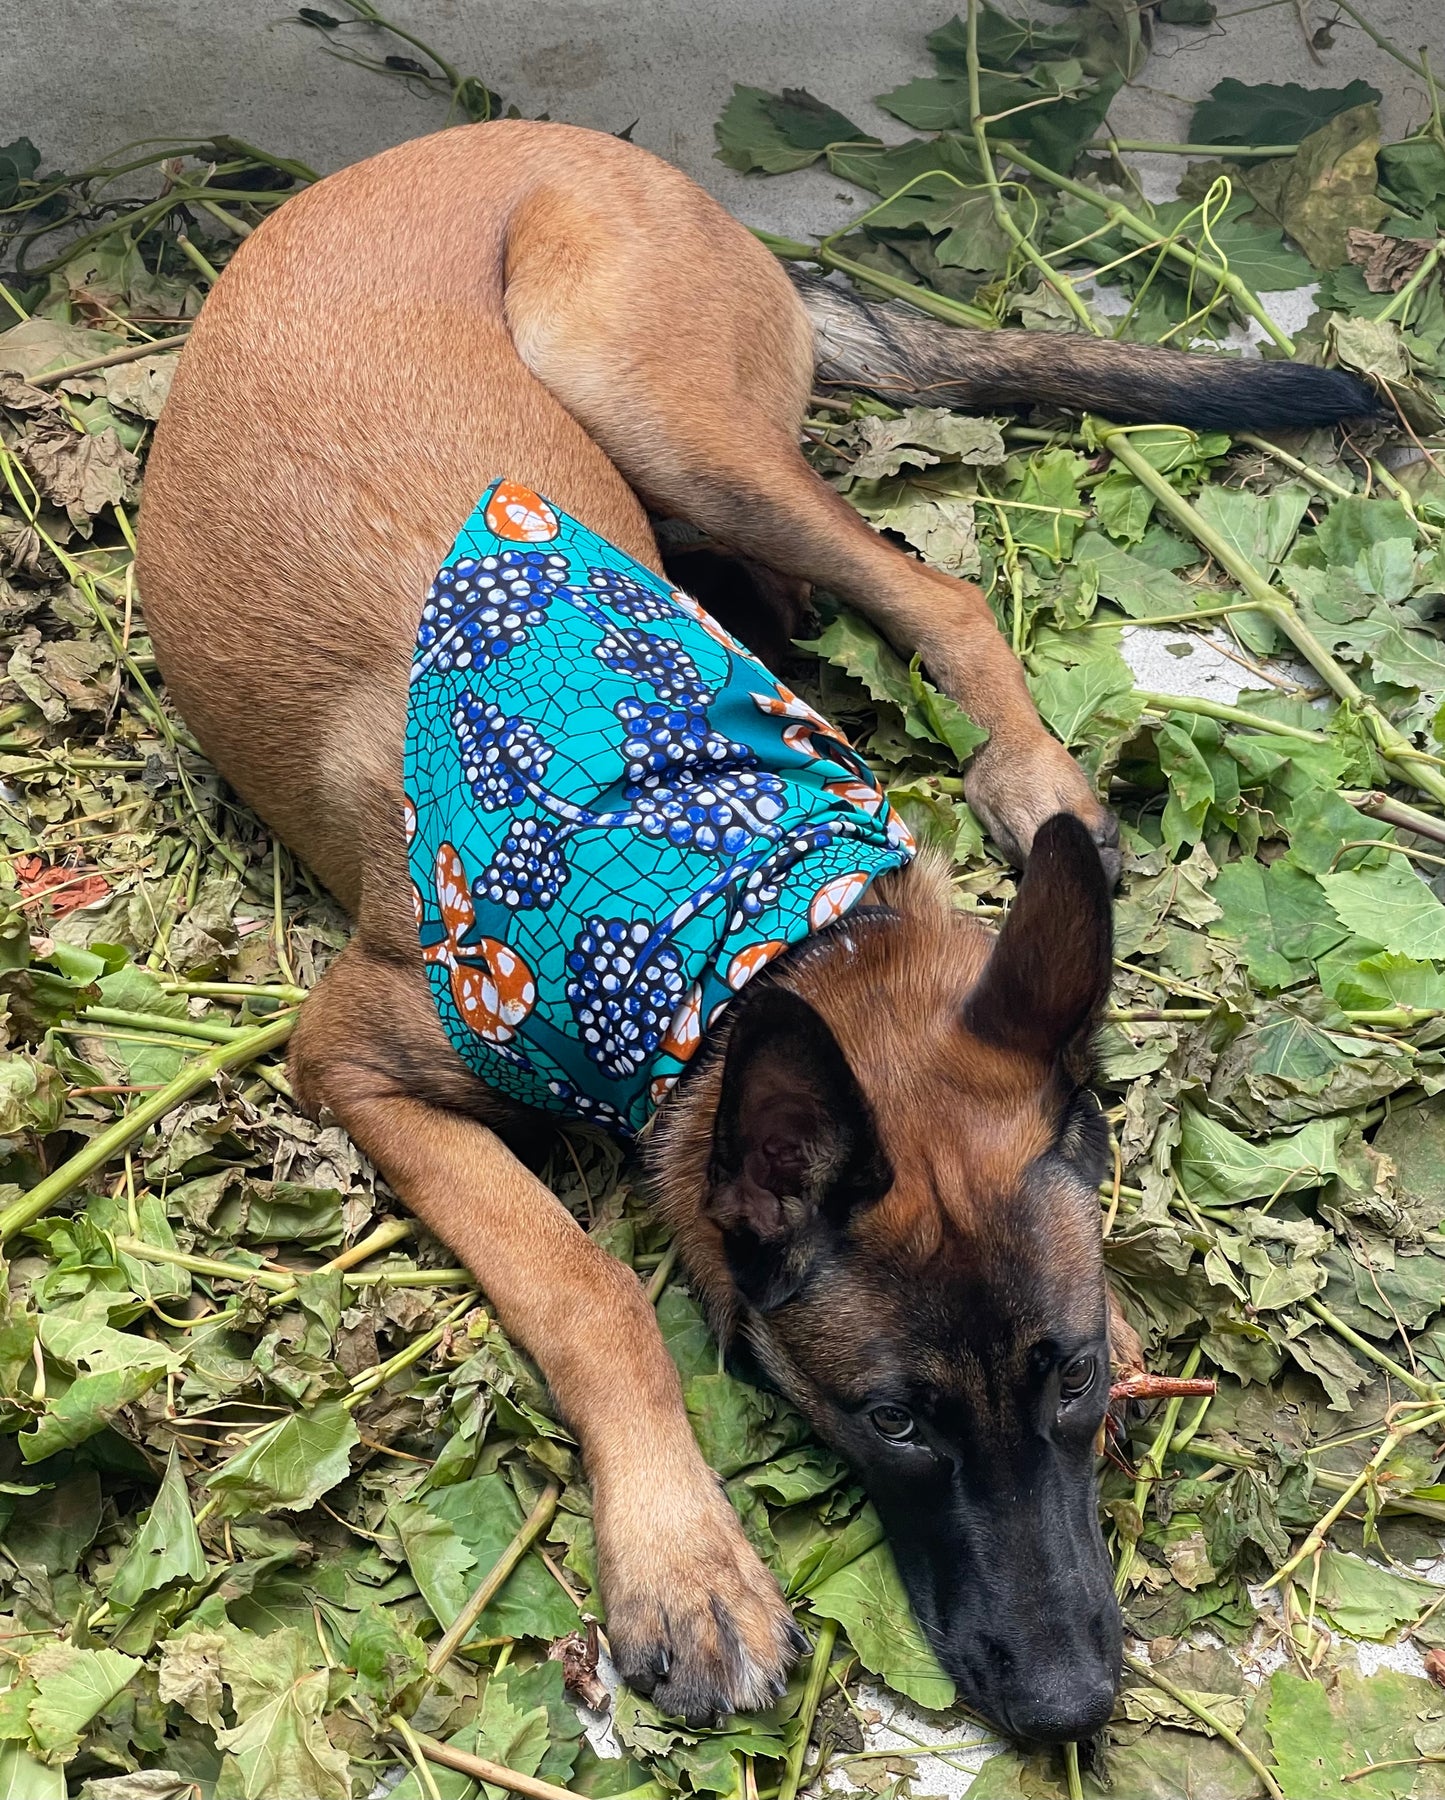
[1280,396]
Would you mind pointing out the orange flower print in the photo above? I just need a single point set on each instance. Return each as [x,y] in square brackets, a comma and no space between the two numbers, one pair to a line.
[835,898]
[519,515]
[684,1033]
[752,957]
[492,986]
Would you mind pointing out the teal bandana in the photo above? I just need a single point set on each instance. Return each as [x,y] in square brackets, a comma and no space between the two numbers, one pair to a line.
[615,814]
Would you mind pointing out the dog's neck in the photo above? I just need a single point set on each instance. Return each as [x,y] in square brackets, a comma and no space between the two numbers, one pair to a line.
[873,976]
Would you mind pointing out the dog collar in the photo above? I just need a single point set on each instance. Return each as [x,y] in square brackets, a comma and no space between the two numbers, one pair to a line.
[615,815]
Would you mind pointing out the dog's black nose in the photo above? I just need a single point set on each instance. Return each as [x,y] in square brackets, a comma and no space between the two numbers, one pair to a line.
[1064,1708]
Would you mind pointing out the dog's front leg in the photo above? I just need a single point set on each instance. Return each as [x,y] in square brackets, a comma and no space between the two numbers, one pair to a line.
[693,1617]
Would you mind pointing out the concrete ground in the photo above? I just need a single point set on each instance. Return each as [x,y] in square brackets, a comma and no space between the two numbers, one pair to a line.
[83,77]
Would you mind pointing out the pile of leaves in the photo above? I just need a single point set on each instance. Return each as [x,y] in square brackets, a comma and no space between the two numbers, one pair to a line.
[262,1445]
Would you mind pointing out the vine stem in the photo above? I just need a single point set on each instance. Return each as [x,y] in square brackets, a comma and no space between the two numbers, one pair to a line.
[952,312]
[1005,220]
[1392,743]
[1321,1528]
[531,1528]
[1201,1712]
[1119,214]
[1231,715]
[1073,1780]
[240,1049]
[1313,476]
[808,1709]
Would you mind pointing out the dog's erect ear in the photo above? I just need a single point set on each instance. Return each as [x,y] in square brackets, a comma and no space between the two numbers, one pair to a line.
[1050,971]
[795,1148]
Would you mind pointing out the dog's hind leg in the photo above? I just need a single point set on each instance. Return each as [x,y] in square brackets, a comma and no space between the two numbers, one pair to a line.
[681,347]
[692,1615]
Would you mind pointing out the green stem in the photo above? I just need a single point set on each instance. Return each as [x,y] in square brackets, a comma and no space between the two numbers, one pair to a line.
[1191,1703]
[241,1049]
[1405,294]
[158,1022]
[952,312]
[1423,1390]
[1279,609]
[1231,715]
[1119,214]
[1004,219]
[1072,1778]
[1225,152]
[1151,1467]
[808,1709]
[1293,462]
[460,1629]
[1320,1530]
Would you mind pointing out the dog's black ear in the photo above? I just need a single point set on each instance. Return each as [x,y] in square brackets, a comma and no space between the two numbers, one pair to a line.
[1050,972]
[795,1148]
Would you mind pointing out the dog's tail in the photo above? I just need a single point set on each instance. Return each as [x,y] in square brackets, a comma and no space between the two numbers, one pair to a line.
[890,349]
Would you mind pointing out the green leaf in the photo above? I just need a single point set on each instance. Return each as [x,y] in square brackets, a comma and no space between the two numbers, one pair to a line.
[1278,914]
[166,1548]
[927,714]
[1322,1733]
[1267,114]
[1415,171]
[485,1515]
[24,1777]
[1259,527]
[1391,907]
[290,1466]
[1086,704]
[777,132]
[437,1558]
[1219,1168]
[868,1601]
[72,1686]
[736,1424]
[1385,980]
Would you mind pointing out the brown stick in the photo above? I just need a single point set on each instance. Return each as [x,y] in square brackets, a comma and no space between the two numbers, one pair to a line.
[481,1770]
[131,353]
[1160,1387]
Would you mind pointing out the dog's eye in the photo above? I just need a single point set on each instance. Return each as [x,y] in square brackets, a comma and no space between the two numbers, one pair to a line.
[1078,1377]
[893,1423]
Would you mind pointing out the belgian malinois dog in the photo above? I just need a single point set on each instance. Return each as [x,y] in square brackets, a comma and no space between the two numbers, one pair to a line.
[880,1159]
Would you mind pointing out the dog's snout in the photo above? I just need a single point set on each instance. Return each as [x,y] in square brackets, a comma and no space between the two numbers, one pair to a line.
[1059,1703]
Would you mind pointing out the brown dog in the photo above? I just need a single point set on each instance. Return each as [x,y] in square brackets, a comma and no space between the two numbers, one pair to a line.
[882,1168]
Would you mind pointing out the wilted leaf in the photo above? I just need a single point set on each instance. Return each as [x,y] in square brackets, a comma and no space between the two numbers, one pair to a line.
[868,1601]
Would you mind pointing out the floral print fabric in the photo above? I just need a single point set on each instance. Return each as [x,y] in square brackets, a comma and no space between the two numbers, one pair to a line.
[616,816]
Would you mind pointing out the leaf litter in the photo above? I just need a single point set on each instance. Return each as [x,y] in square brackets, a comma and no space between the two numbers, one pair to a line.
[281,1508]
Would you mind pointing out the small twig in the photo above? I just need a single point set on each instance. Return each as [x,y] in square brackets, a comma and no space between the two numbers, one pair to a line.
[480,1769]
[131,353]
[1162,1387]
[1395,812]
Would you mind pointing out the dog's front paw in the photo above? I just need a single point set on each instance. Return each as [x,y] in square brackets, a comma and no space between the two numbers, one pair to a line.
[1013,787]
[694,1620]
